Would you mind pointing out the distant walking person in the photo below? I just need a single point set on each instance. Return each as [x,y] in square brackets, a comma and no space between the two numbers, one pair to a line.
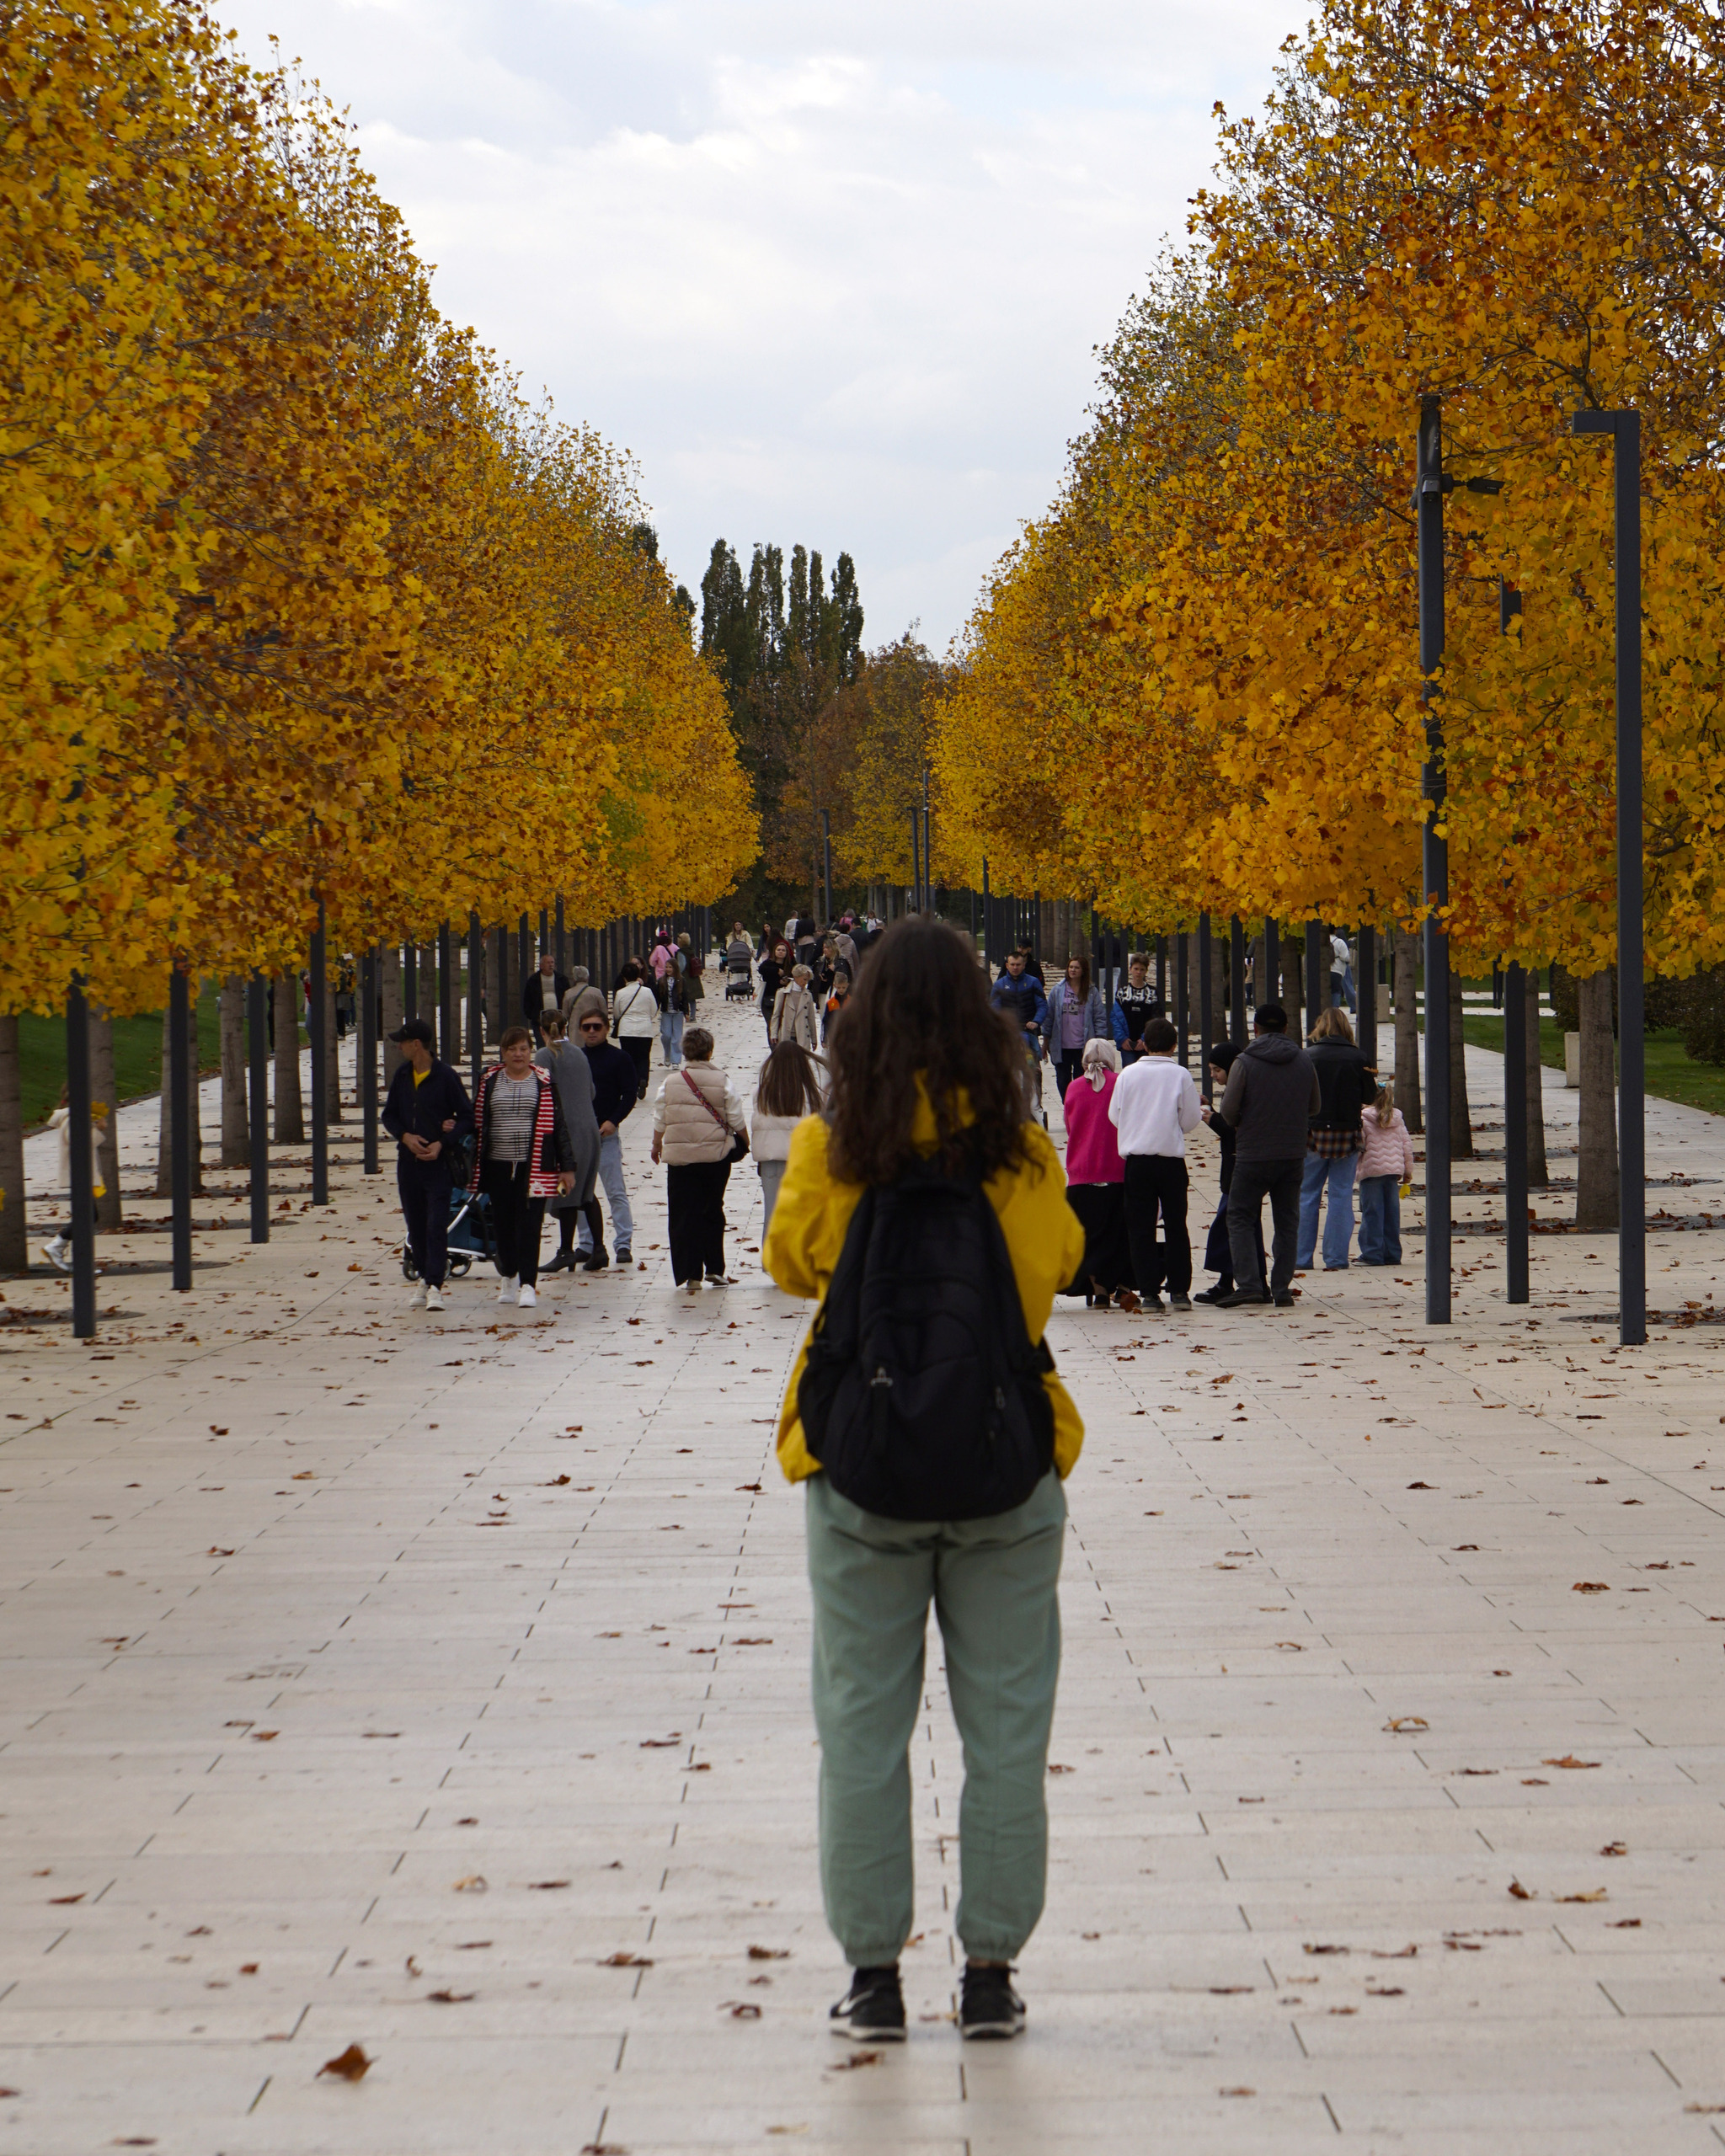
[1346,1082]
[793,1017]
[1218,1250]
[634,1021]
[1271,1095]
[697,1119]
[926,1419]
[521,1156]
[1385,1166]
[1096,1181]
[1135,1004]
[1019,992]
[542,991]
[1076,1013]
[1155,1106]
[614,1098]
[571,1072]
[789,1088]
[428,1114]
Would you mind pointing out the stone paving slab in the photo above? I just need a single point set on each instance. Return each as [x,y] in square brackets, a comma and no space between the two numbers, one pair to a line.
[322,1693]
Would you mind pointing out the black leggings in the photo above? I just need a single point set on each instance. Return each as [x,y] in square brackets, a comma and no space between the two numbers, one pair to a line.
[569,1220]
[694,1197]
[516,1220]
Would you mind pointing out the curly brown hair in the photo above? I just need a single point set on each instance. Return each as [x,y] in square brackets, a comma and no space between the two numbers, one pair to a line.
[921,1009]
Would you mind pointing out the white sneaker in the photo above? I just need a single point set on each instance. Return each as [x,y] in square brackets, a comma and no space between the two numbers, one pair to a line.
[528,1297]
[508,1290]
[54,1250]
[434,1299]
[416,1302]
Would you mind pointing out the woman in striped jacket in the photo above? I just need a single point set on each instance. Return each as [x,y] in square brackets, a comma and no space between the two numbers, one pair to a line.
[521,1156]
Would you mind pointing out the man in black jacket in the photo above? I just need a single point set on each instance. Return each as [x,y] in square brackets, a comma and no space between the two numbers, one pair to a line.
[427,1112]
[1271,1095]
[543,991]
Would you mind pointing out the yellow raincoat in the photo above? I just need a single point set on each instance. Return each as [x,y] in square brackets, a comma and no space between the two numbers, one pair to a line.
[1045,1239]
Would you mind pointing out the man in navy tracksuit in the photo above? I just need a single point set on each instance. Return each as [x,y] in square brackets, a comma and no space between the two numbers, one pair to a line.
[1019,992]
[427,1112]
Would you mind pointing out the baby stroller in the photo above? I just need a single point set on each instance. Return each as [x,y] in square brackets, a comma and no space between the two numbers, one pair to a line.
[469,1235]
[739,975]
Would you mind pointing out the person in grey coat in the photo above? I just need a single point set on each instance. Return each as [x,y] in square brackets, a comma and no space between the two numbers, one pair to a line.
[1270,1098]
[566,1065]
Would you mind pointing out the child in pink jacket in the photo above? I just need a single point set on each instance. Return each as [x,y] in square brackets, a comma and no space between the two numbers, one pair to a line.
[1386,1166]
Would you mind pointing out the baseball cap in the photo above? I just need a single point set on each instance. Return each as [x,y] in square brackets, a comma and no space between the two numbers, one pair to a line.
[415,1029]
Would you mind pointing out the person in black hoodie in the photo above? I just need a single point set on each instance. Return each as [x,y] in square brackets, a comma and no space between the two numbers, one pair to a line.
[1218,1250]
[1135,1004]
[1270,1099]
[1346,1083]
[427,1112]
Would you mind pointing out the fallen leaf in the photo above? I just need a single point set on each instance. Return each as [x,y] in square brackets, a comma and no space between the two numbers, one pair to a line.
[264,1736]
[1419,1486]
[856,2059]
[1522,1893]
[350,2065]
[452,1998]
[59,1901]
[621,1960]
[1229,1991]
[740,2010]
[1390,1991]
[1055,1770]
[1599,1894]
[1237,2092]
[1325,1950]
[414,1969]
[769,1953]
[547,1885]
[474,1883]
[1396,1954]
[1569,1759]
[1404,1723]
[1590,1586]
[1615,1848]
[212,1551]
[1625,1923]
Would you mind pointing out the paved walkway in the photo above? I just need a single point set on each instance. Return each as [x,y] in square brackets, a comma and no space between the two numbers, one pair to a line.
[1368,1823]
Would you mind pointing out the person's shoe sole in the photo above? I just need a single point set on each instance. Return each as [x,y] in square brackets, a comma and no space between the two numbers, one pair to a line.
[626,1257]
[991,2032]
[1179,1302]
[859,2032]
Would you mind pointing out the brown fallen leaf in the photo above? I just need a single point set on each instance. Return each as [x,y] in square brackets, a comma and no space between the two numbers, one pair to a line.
[1599,1894]
[1522,1893]
[1624,1923]
[1419,1486]
[212,1551]
[264,1736]
[1396,1954]
[1237,2092]
[1569,1759]
[217,1430]
[1055,1770]
[1535,1781]
[474,1883]
[856,2059]
[414,1969]
[1590,1586]
[547,1885]
[1389,1991]
[1705,2110]
[350,2065]
[452,1998]
[659,1744]
[1403,1723]
[60,1900]
[739,2009]
[304,1475]
[1615,1848]
[249,1968]
[769,1953]
[1229,1991]
[1309,1949]
[621,1960]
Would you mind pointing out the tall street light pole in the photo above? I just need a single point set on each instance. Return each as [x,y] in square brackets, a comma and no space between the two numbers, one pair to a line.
[1625,429]
[1435,858]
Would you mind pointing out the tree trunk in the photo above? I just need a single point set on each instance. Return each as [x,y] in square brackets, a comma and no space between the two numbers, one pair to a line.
[494,1019]
[236,1126]
[332,1057]
[514,978]
[1596,1166]
[15,1236]
[1405,996]
[109,1214]
[290,1100]
[1260,993]
[1460,1125]
[1537,1176]
[1293,999]
[389,996]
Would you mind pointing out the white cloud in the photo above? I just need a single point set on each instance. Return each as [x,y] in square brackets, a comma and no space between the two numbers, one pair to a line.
[834,274]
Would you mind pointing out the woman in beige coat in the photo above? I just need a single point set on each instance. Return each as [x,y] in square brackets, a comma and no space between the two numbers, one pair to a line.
[793,1012]
[694,1119]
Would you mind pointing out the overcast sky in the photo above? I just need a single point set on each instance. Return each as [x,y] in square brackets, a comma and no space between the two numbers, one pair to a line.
[833,273]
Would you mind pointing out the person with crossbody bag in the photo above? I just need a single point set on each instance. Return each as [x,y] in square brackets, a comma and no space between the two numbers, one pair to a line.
[699,1129]
[634,1021]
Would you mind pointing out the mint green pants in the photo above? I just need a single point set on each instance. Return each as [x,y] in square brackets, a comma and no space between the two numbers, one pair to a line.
[992,1582]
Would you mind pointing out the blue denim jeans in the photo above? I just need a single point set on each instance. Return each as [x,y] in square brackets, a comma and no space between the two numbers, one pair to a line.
[616,1195]
[671,1037]
[1380,1220]
[1339,1216]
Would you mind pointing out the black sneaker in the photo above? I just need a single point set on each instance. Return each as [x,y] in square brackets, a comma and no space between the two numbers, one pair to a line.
[1219,1294]
[1180,1302]
[1283,1299]
[626,1257]
[988,2006]
[873,2010]
[1239,1299]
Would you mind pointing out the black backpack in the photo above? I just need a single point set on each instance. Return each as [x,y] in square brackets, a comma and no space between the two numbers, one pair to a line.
[922,1395]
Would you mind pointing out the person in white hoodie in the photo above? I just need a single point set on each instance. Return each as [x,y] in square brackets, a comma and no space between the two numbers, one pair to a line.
[788,1089]
[1155,1104]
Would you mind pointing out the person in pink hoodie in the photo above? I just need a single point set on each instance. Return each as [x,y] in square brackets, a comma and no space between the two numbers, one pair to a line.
[1096,1181]
[1385,1169]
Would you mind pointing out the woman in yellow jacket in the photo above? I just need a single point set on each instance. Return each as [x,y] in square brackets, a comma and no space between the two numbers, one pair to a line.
[921,1067]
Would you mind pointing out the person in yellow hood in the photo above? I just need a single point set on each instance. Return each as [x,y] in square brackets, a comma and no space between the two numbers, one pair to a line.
[925,1087]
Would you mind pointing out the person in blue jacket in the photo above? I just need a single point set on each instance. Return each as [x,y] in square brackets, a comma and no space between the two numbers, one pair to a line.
[1019,995]
[426,1111]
